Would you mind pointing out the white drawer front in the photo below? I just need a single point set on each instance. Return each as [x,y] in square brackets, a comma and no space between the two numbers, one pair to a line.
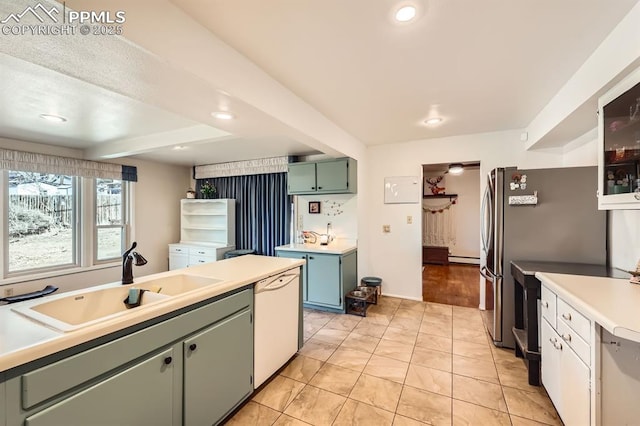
[195,260]
[574,319]
[202,251]
[548,305]
[572,339]
[174,248]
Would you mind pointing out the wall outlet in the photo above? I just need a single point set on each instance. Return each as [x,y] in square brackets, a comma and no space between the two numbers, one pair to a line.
[8,292]
[409,220]
[386,228]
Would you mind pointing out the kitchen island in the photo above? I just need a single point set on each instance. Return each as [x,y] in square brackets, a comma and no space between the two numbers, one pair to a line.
[187,359]
[590,346]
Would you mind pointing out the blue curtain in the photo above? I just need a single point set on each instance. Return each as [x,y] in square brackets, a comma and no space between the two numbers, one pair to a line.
[263,209]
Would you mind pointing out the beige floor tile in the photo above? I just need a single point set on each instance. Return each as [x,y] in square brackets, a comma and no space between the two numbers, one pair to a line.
[389,301]
[472,350]
[378,392]
[315,406]
[330,335]
[311,327]
[360,342]
[377,318]
[301,368]
[501,353]
[350,358]
[438,308]
[357,413]
[478,392]
[412,324]
[431,341]
[476,326]
[343,322]
[520,421]
[368,328]
[510,364]
[387,368]
[429,379]
[395,350]
[516,379]
[425,406]
[432,359]
[254,414]
[285,420]
[317,349]
[473,335]
[465,414]
[278,393]
[437,328]
[400,335]
[335,379]
[408,313]
[531,405]
[382,310]
[414,305]
[320,316]
[399,420]
[476,368]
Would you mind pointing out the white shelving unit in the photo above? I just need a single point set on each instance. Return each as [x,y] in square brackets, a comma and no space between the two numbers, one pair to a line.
[207,232]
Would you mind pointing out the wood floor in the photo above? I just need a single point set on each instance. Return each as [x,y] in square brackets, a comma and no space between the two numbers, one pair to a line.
[453,284]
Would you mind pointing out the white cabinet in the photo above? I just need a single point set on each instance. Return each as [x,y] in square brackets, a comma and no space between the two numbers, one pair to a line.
[208,222]
[566,374]
[207,232]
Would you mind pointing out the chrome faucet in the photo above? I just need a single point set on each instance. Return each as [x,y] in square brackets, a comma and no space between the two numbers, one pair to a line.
[127,263]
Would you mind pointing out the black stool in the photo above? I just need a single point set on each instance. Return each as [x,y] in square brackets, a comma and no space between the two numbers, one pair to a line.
[373,282]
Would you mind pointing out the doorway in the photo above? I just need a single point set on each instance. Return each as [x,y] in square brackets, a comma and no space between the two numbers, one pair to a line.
[451,233]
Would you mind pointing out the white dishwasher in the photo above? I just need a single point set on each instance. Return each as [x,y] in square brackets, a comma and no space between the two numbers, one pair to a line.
[275,333]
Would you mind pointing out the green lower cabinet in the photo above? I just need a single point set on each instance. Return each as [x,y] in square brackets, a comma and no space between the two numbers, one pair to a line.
[191,369]
[218,370]
[124,399]
[326,278]
[323,276]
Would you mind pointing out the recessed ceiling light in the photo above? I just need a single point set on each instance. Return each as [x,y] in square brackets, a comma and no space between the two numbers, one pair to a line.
[223,115]
[53,118]
[433,121]
[405,13]
[179,147]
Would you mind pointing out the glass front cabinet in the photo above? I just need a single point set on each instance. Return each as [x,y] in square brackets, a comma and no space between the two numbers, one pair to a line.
[619,145]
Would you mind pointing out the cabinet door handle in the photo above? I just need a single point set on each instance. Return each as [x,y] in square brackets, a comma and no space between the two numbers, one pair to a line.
[544,303]
[566,337]
[319,187]
[310,257]
[168,360]
[567,316]
[200,252]
[193,347]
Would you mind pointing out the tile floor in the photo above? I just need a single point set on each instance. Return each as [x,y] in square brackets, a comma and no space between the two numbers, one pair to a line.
[406,363]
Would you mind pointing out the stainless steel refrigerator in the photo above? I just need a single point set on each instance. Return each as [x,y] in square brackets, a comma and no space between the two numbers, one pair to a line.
[536,215]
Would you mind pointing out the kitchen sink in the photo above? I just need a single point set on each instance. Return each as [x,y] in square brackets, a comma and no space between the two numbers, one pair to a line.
[82,309]
[175,284]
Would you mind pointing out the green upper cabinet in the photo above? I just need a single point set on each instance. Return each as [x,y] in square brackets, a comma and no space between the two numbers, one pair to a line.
[323,177]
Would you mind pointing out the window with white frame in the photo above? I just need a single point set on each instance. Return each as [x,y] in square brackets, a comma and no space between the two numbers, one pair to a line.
[110,219]
[42,226]
[61,214]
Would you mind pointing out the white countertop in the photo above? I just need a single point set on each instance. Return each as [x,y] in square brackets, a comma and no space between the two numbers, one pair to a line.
[611,302]
[334,247]
[23,340]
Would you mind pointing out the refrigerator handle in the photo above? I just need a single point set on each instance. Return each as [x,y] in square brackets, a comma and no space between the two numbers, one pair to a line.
[487,274]
[487,228]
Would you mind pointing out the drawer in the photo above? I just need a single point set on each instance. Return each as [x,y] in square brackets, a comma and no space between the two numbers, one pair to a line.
[202,251]
[548,305]
[574,319]
[196,260]
[174,248]
[573,340]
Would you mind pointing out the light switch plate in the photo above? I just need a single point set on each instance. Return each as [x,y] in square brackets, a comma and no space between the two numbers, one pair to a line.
[386,228]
